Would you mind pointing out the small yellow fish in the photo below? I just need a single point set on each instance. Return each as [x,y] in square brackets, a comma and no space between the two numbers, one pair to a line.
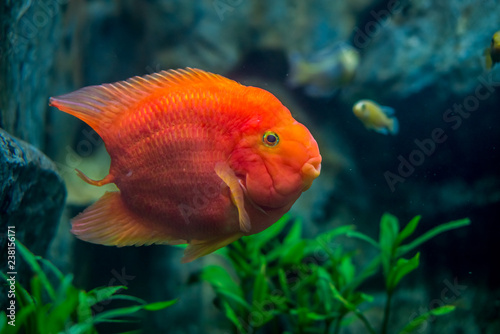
[492,54]
[376,117]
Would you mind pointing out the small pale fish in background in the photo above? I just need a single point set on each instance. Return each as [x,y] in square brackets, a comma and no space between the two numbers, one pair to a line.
[492,54]
[376,117]
[198,159]
[324,72]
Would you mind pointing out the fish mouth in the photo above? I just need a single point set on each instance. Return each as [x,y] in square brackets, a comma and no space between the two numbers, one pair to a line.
[310,170]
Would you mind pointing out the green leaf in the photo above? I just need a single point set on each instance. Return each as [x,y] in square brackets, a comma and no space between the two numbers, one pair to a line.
[260,287]
[231,315]
[324,293]
[346,269]
[220,279]
[36,289]
[52,267]
[408,230]
[109,316]
[293,254]
[389,228]
[295,233]
[351,307]
[415,323]
[159,305]
[324,238]
[358,298]
[239,262]
[323,242]
[86,327]
[371,269]
[400,270]
[431,234]
[127,297]
[364,237]
[317,317]
[31,259]
[100,294]
[301,314]
[61,312]
[231,296]
[83,311]
[255,243]
[284,283]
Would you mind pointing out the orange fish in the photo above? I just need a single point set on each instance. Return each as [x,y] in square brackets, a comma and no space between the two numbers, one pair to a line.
[198,159]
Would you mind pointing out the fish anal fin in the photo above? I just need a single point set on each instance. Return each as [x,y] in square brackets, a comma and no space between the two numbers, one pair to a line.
[109,222]
[382,130]
[199,248]
[237,195]
[108,179]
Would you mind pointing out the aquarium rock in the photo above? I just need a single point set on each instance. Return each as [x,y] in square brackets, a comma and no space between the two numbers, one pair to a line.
[31,196]
[422,51]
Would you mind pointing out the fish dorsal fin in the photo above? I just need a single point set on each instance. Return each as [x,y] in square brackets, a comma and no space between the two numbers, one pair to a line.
[388,111]
[100,105]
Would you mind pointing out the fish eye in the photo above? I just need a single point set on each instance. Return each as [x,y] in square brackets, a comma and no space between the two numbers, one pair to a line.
[270,139]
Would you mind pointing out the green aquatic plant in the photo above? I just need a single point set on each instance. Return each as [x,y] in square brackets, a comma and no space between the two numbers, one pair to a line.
[60,307]
[288,283]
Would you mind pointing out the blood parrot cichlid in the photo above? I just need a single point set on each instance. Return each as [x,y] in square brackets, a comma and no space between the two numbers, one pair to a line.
[198,159]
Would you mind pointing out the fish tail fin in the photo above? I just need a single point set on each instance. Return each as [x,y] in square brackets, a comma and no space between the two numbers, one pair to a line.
[395,126]
[488,59]
[109,222]
[199,248]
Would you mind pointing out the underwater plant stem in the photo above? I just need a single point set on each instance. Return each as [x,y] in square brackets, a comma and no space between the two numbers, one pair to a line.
[387,310]
[365,321]
[337,325]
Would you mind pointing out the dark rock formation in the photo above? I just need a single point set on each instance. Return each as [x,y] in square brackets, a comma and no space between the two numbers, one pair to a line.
[31,198]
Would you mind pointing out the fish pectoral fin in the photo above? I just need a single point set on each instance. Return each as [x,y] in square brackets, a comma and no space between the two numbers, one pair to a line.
[108,179]
[199,248]
[109,222]
[237,195]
